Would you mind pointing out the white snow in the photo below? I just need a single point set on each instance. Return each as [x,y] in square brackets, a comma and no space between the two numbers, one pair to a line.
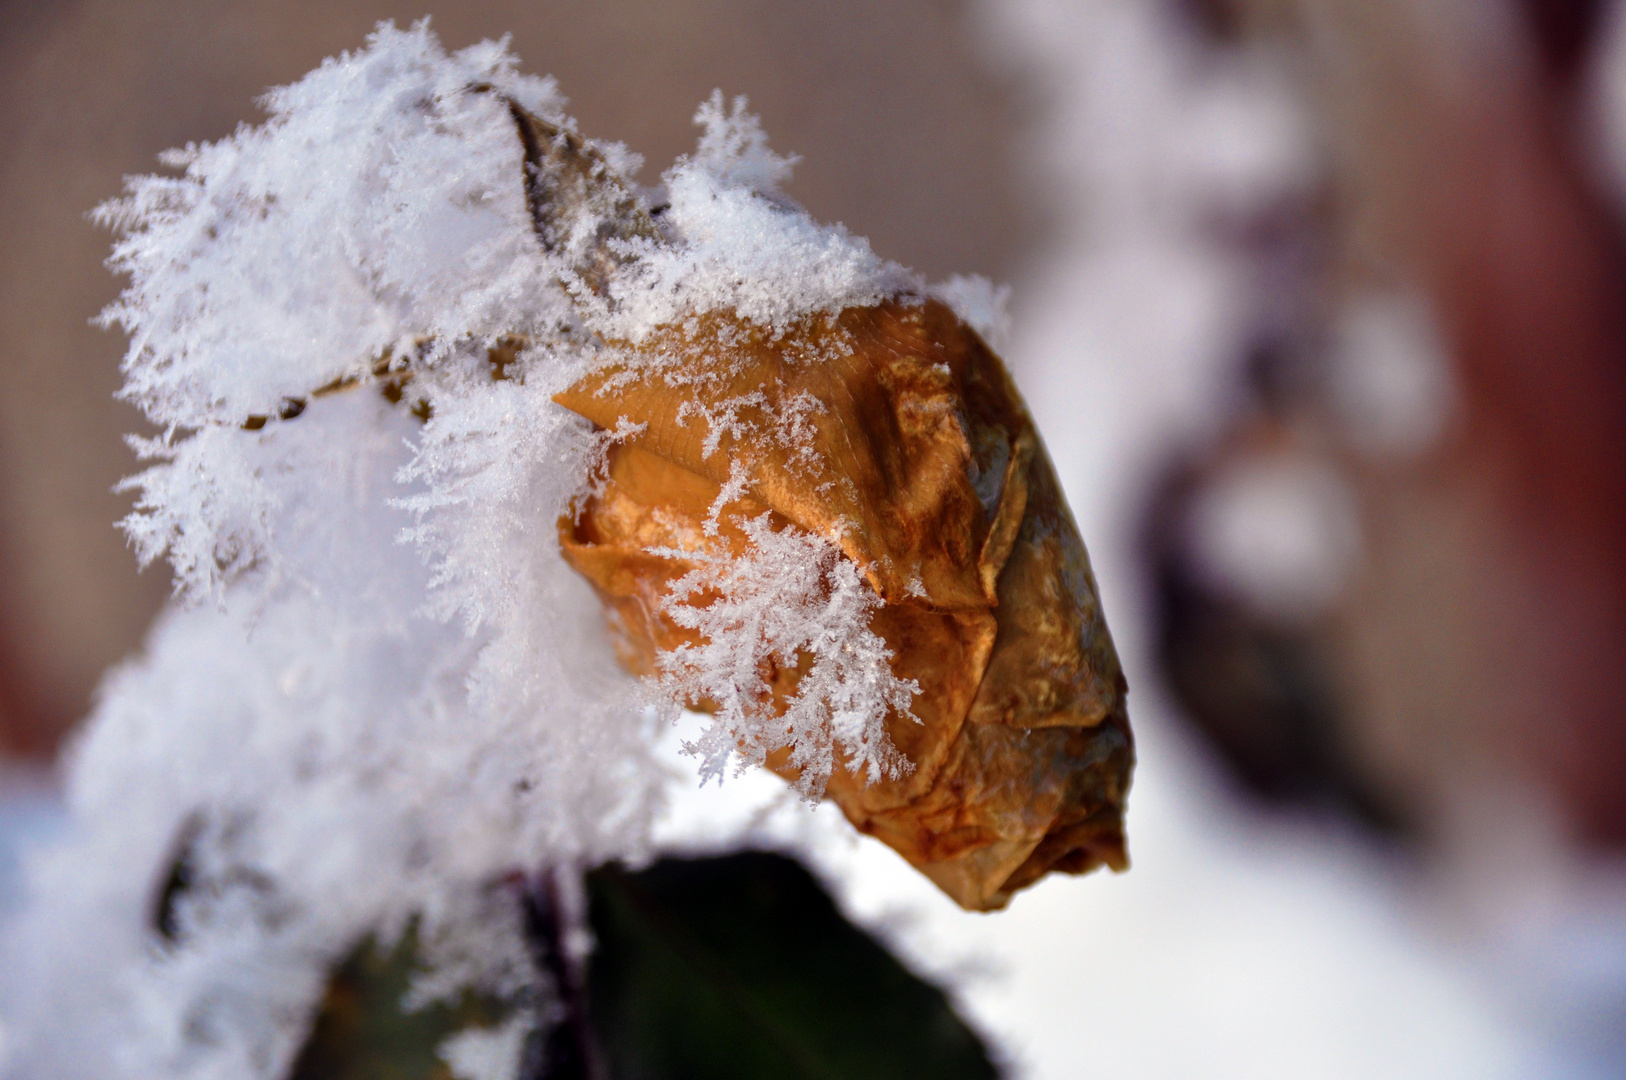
[792,596]
[382,689]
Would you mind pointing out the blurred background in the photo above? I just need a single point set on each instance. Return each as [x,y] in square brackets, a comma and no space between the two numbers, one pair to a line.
[1321,306]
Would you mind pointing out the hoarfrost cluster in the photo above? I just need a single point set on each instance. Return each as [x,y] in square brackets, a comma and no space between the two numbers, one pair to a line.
[794,596]
[382,689]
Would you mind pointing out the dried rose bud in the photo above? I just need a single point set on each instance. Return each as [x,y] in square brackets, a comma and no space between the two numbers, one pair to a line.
[915,457]
[892,441]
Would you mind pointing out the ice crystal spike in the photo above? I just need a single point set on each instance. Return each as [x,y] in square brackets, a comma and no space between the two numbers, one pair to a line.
[568,184]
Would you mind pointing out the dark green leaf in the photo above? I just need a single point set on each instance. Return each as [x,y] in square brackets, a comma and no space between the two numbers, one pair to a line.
[741,967]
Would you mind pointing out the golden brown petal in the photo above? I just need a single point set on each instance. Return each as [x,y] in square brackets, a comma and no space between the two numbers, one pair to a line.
[883,471]
[915,455]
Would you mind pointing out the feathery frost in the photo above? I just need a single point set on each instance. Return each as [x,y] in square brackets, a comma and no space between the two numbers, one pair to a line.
[382,690]
[792,601]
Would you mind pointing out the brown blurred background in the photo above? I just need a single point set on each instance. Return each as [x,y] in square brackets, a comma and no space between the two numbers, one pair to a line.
[1472,666]
[1478,644]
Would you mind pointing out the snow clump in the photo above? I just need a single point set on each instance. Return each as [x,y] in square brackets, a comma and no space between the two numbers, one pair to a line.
[374,700]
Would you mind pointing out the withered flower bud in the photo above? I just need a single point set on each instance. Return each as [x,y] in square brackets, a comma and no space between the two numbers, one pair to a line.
[918,460]
[894,434]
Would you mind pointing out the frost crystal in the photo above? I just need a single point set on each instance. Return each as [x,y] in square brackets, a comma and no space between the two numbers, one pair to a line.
[793,604]
[744,246]
[376,697]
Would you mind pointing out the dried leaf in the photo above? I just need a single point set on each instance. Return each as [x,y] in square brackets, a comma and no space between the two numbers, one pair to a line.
[893,433]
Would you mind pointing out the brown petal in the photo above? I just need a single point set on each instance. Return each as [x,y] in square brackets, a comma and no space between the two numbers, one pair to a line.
[883,390]
[923,467]
[1053,664]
